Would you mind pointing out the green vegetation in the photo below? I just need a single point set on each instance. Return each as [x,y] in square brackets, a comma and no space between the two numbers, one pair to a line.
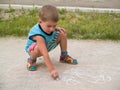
[80,25]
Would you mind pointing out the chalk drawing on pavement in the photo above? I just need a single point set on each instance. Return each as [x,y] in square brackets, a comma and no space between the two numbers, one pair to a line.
[90,74]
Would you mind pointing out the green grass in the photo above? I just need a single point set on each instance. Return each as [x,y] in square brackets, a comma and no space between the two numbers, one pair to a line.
[79,25]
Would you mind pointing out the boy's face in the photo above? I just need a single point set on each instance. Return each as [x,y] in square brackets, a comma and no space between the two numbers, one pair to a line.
[48,26]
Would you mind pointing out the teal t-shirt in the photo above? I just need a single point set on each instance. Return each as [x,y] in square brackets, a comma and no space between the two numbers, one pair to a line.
[36,30]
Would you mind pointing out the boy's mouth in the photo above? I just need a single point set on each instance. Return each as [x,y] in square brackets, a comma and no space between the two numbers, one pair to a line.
[49,32]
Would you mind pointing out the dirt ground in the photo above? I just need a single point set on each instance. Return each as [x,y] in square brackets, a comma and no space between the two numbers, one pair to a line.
[98,67]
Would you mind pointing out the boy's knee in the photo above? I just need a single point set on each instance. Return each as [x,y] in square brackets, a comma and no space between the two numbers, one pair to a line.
[36,52]
[62,35]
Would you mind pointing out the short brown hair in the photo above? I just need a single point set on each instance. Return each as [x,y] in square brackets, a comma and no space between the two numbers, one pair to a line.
[49,12]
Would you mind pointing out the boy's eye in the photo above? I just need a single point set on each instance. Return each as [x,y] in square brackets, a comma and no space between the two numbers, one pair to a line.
[51,26]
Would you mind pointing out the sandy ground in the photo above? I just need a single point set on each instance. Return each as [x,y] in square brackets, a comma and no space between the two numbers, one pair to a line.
[98,68]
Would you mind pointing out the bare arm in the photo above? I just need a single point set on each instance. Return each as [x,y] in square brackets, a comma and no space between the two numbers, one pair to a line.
[43,50]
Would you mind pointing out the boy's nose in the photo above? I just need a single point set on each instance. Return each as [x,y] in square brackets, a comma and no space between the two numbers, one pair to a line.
[52,28]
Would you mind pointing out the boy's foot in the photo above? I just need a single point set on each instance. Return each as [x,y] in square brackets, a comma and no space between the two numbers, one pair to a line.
[31,65]
[68,59]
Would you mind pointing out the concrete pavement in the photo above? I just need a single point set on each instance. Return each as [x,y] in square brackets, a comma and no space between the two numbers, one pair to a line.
[99,62]
[98,68]
[75,3]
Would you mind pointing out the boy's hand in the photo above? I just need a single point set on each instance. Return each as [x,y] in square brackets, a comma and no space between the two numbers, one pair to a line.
[54,74]
[62,30]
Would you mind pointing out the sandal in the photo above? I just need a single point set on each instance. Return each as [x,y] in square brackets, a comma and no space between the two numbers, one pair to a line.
[68,59]
[31,64]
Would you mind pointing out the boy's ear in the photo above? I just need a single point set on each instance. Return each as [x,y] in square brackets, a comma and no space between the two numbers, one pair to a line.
[39,20]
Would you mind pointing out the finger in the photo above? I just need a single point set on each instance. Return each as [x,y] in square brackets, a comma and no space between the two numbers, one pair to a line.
[58,78]
[63,30]
[55,77]
[58,28]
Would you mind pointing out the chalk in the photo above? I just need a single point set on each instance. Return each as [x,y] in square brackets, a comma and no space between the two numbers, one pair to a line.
[58,78]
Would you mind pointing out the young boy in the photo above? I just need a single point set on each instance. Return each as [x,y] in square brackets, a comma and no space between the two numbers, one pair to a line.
[45,36]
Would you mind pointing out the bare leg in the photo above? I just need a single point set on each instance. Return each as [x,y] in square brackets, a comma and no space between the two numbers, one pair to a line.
[31,63]
[62,40]
[35,53]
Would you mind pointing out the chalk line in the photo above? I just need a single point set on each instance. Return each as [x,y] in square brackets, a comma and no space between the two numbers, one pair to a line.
[90,74]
